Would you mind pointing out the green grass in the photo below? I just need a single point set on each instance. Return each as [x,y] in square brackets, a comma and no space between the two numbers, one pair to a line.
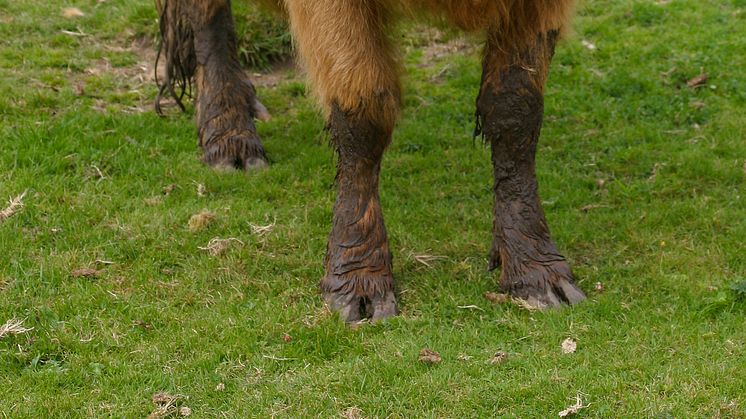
[662,163]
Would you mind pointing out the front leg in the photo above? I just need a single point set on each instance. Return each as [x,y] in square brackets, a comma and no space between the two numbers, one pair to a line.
[358,281]
[199,43]
[510,108]
[344,47]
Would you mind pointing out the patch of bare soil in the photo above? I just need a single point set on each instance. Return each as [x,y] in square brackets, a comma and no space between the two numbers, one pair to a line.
[436,45]
[279,73]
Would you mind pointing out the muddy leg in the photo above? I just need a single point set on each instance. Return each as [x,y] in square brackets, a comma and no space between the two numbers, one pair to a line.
[345,51]
[199,41]
[358,281]
[510,107]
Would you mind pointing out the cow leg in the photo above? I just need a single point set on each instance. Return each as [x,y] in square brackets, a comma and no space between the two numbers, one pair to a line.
[510,109]
[353,71]
[199,42]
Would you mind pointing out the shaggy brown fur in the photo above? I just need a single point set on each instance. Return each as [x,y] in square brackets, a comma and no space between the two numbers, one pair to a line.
[354,71]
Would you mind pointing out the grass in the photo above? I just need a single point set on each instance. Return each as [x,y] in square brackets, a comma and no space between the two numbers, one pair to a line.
[643,182]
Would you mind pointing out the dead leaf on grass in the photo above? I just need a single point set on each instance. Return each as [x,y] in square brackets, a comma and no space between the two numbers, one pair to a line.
[167,405]
[496,298]
[429,356]
[201,221]
[72,13]
[574,409]
[499,358]
[352,413]
[13,327]
[698,81]
[569,346]
[86,273]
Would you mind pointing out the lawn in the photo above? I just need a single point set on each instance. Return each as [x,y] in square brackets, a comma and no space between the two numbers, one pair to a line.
[643,179]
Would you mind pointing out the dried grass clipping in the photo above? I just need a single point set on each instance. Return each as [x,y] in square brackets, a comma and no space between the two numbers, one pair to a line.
[14,205]
[13,327]
[218,246]
[574,409]
[260,230]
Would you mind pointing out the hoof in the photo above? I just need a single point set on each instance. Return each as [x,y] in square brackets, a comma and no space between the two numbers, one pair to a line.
[241,151]
[353,308]
[544,286]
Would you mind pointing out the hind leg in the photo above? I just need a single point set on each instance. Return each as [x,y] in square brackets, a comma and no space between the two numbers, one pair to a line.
[199,42]
[353,71]
[510,108]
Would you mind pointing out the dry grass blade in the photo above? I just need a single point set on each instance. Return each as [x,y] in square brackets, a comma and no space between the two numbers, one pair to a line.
[14,205]
[428,259]
[574,409]
[262,230]
[218,246]
[13,327]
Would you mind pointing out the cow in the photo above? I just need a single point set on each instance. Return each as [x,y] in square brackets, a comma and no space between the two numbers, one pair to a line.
[352,66]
